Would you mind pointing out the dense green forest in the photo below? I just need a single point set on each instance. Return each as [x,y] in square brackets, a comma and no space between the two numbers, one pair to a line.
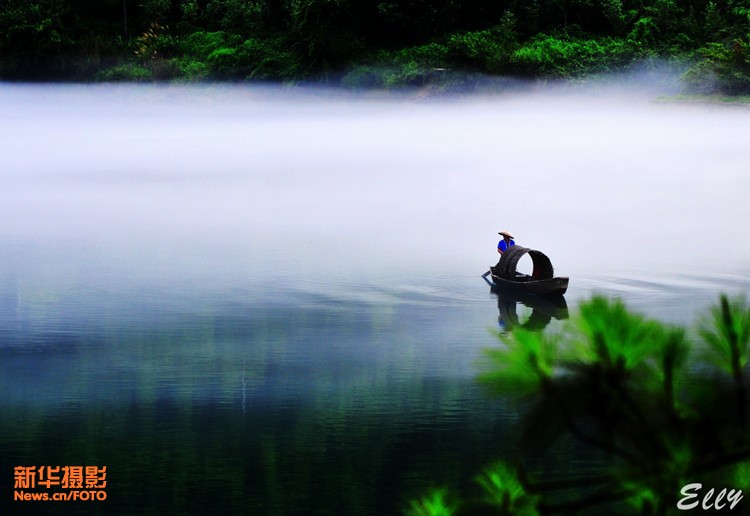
[373,43]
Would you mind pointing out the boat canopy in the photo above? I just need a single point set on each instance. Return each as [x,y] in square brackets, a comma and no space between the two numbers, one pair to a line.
[506,267]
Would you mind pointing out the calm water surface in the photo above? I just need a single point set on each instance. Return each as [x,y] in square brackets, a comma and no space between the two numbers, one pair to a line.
[264,301]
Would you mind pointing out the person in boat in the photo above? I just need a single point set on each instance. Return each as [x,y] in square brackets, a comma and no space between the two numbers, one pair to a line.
[506,243]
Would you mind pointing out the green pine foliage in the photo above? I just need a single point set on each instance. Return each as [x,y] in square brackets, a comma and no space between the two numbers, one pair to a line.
[654,406]
[437,503]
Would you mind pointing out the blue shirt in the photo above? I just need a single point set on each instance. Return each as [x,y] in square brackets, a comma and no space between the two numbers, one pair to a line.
[501,245]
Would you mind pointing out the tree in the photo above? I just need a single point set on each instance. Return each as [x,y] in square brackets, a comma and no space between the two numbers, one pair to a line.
[659,411]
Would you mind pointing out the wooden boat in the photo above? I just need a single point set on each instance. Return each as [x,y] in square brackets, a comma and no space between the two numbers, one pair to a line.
[525,283]
[541,281]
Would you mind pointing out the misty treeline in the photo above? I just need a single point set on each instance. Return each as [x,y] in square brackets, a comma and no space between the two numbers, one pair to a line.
[372,43]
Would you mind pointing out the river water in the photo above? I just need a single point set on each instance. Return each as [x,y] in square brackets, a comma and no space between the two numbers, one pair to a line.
[247,300]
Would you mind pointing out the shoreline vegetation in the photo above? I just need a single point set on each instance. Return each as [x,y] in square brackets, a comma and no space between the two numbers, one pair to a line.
[445,45]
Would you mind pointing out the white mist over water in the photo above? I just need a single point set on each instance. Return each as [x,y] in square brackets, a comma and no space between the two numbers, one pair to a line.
[243,185]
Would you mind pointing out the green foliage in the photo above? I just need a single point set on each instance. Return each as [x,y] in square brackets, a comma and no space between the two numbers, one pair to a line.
[206,54]
[33,34]
[225,55]
[436,503]
[565,56]
[268,59]
[155,9]
[523,364]
[223,61]
[645,34]
[714,23]
[667,15]
[193,70]
[373,43]
[613,337]
[505,493]
[323,33]
[238,16]
[720,67]
[741,476]
[129,72]
[485,51]
[414,66]
[727,331]
[488,50]
[155,43]
[202,43]
[613,12]
[623,386]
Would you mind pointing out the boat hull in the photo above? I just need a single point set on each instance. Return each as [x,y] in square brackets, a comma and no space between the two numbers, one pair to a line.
[556,286]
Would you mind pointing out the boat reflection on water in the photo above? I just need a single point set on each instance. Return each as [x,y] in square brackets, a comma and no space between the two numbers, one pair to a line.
[543,309]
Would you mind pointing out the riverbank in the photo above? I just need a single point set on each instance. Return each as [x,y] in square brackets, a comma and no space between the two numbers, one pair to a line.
[372,44]
[711,100]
